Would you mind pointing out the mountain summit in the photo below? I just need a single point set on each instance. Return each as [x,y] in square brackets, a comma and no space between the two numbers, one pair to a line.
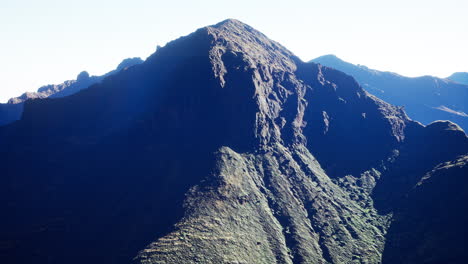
[459,77]
[224,147]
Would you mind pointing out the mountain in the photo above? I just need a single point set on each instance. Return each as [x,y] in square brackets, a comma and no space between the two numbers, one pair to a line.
[12,110]
[425,99]
[459,77]
[224,147]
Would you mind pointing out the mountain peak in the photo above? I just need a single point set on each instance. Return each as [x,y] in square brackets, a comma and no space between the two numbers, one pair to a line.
[330,56]
[230,22]
[232,28]
[222,147]
[459,77]
[240,40]
[84,75]
[329,59]
[234,37]
[129,62]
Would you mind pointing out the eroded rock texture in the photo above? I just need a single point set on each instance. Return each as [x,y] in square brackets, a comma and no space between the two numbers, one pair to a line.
[223,147]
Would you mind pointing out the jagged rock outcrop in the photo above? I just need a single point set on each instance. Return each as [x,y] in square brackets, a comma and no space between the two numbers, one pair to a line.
[425,99]
[12,110]
[222,147]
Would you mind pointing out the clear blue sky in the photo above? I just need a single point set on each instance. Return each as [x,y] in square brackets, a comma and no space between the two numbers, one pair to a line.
[49,41]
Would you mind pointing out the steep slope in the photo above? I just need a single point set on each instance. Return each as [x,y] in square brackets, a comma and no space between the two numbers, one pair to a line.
[222,147]
[426,99]
[459,77]
[12,110]
[281,213]
[431,225]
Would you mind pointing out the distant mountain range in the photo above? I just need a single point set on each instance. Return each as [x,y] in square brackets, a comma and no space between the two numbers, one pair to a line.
[425,99]
[459,77]
[12,110]
[224,147]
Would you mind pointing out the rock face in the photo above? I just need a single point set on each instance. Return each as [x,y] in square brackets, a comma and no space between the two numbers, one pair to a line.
[426,99]
[459,77]
[12,110]
[224,147]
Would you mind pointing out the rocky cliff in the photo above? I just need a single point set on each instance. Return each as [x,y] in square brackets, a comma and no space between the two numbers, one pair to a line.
[224,147]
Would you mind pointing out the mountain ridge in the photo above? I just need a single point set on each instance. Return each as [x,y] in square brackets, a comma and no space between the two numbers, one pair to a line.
[12,110]
[425,98]
[221,147]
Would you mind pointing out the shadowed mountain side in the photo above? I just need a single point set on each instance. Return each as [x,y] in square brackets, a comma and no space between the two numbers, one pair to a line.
[425,99]
[10,113]
[431,226]
[424,148]
[13,110]
[221,147]
[137,140]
